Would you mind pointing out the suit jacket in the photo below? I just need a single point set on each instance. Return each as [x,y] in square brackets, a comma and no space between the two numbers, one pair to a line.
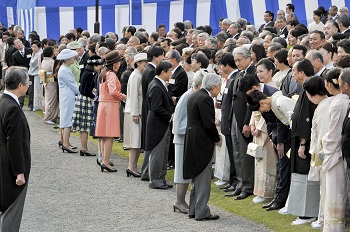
[239,103]
[147,76]
[270,24]
[181,83]
[236,36]
[82,62]
[278,132]
[201,134]
[347,33]
[23,61]
[301,128]
[283,34]
[226,105]
[160,110]
[14,150]
[8,55]
[345,140]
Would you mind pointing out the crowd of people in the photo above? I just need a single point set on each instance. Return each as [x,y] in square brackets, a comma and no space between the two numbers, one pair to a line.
[268,105]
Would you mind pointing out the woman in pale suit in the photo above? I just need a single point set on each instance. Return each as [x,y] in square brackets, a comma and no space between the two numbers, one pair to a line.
[108,116]
[68,89]
[132,117]
[179,130]
[317,94]
[333,163]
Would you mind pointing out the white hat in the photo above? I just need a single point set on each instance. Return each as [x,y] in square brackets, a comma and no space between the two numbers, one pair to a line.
[66,54]
[139,57]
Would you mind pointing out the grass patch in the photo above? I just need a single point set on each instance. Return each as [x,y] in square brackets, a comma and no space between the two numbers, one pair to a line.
[243,208]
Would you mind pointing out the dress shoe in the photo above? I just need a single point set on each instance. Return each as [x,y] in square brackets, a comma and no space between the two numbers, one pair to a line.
[210,217]
[234,193]
[169,185]
[276,205]
[67,149]
[85,153]
[300,221]
[104,167]
[243,195]
[145,179]
[159,187]
[230,189]
[226,186]
[268,205]
[191,216]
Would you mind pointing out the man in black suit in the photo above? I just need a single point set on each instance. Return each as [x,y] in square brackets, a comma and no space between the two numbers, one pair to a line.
[268,18]
[154,56]
[15,158]
[228,68]
[235,30]
[201,136]
[177,86]
[240,129]
[282,27]
[22,58]
[344,24]
[279,135]
[157,127]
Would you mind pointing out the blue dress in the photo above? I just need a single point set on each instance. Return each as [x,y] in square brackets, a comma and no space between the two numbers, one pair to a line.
[68,89]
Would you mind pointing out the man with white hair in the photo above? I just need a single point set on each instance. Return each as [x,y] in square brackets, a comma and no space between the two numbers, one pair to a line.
[234,30]
[330,28]
[344,11]
[201,137]
[240,130]
[133,41]
[202,37]
[316,59]
[225,25]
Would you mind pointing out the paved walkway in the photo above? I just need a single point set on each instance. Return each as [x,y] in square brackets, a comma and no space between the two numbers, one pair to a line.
[69,193]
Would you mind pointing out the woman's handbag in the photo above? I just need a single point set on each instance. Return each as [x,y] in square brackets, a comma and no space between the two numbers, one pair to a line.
[255,150]
[315,160]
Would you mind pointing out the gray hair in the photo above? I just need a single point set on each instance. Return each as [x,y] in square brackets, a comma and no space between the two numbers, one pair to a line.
[94,38]
[210,80]
[343,9]
[82,41]
[248,34]
[241,50]
[213,42]
[131,52]
[15,75]
[198,78]
[174,54]
[204,34]
[188,24]
[221,36]
[315,55]
[242,21]
[226,22]
[103,50]
[61,47]
[236,25]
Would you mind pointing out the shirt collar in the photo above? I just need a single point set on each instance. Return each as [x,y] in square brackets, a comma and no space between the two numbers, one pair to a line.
[321,71]
[207,91]
[163,82]
[12,95]
[152,64]
[174,70]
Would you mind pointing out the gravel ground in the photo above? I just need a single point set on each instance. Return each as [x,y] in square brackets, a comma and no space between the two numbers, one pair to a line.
[68,192]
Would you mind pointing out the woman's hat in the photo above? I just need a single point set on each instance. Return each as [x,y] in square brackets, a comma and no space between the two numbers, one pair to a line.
[139,57]
[94,60]
[74,45]
[112,57]
[66,54]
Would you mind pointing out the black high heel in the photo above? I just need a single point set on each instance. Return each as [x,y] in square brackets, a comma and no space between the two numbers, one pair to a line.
[130,173]
[82,153]
[98,161]
[67,150]
[103,167]
[60,144]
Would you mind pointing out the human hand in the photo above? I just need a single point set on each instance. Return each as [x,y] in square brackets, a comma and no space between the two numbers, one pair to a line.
[246,130]
[20,179]
[280,150]
[135,119]
[301,152]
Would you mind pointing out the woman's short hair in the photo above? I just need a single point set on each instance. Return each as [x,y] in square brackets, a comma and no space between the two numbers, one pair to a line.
[268,64]
[345,44]
[315,86]
[163,66]
[37,43]
[200,58]
[48,52]
[282,56]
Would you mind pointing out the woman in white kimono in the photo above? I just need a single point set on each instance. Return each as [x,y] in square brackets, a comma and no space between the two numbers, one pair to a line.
[33,71]
[317,94]
[333,163]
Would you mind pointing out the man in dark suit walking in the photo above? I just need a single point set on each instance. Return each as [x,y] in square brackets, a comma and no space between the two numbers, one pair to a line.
[22,58]
[201,136]
[177,86]
[15,150]
[159,117]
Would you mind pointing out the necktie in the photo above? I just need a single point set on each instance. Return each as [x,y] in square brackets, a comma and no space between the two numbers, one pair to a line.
[22,54]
